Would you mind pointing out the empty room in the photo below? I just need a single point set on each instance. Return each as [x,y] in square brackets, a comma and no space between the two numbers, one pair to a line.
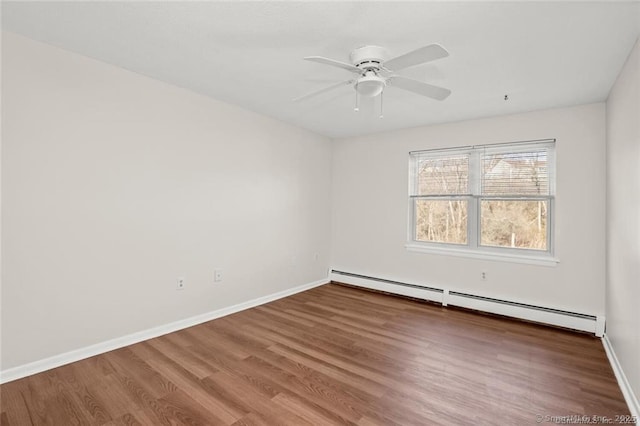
[320,213]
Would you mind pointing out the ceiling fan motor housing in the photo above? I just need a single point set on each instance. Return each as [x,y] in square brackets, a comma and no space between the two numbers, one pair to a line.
[368,57]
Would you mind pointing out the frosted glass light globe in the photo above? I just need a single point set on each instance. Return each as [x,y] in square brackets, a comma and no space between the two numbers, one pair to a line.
[370,86]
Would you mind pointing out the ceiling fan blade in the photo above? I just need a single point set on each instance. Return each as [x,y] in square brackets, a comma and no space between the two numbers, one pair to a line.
[334,63]
[415,86]
[415,57]
[326,89]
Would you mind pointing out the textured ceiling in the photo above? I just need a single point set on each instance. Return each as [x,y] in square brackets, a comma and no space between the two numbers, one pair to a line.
[543,55]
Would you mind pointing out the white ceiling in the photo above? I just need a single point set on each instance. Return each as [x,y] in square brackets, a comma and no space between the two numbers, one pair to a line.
[543,55]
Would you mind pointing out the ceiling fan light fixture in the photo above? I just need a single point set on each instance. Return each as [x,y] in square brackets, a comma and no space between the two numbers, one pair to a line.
[370,86]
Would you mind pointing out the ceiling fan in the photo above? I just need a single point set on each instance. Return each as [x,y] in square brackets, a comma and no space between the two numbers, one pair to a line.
[375,72]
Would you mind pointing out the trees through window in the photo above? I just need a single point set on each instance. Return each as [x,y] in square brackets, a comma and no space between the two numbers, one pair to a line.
[485,197]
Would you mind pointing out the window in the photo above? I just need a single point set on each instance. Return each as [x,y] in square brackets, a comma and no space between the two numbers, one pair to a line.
[490,199]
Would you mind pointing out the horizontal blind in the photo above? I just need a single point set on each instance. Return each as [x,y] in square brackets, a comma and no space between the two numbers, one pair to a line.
[441,175]
[519,173]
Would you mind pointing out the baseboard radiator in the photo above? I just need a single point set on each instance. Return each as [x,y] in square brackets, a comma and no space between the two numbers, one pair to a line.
[545,315]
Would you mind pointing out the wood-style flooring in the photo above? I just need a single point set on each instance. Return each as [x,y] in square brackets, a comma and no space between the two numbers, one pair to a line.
[330,355]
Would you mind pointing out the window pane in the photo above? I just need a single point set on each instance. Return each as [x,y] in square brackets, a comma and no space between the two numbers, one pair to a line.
[441,221]
[443,175]
[514,223]
[517,173]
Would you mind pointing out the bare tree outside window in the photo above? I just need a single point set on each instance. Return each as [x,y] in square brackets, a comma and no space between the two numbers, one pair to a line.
[484,197]
[516,223]
[443,219]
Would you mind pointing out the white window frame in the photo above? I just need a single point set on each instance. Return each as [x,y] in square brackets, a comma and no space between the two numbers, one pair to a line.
[473,248]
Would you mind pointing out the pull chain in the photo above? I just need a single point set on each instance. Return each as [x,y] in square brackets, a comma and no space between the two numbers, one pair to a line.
[357,108]
[381,116]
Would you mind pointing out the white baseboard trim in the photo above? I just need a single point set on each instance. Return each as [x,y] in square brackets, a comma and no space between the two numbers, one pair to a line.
[130,339]
[625,386]
[484,303]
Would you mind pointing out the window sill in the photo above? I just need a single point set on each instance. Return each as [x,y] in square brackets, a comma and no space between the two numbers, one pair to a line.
[485,255]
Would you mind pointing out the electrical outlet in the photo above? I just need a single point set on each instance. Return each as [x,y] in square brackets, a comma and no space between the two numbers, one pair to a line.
[180,283]
[217,275]
[483,275]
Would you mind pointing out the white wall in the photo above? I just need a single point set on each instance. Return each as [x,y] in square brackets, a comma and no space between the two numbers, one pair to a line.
[370,210]
[114,184]
[623,218]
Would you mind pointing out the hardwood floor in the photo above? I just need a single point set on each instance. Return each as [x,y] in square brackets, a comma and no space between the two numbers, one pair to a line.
[331,355]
